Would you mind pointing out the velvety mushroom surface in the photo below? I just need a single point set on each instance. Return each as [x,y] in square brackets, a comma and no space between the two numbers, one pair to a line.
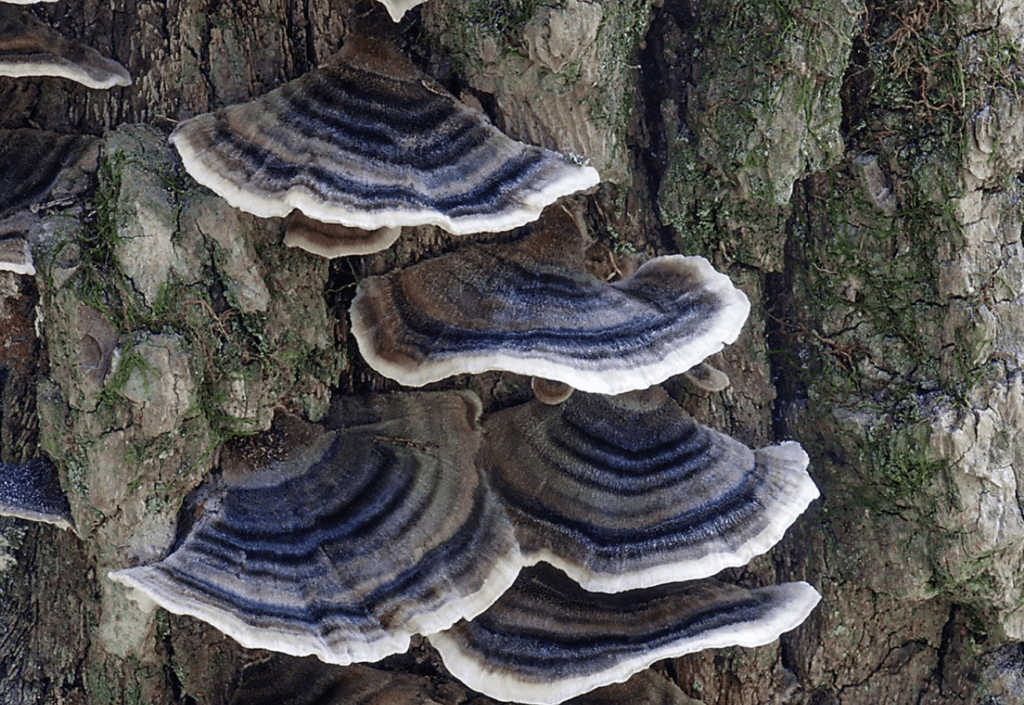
[531,307]
[28,47]
[343,544]
[31,160]
[368,141]
[547,639]
[628,491]
[332,240]
[32,491]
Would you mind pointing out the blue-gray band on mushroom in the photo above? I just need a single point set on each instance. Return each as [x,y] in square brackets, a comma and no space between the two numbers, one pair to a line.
[345,543]
[368,141]
[32,491]
[629,491]
[547,639]
[530,307]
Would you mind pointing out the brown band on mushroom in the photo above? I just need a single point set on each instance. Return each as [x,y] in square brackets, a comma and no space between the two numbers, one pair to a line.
[30,162]
[707,377]
[547,639]
[629,491]
[15,256]
[368,141]
[549,391]
[28,47]
[531,307]
[332,240]
[32,491]
[343,544]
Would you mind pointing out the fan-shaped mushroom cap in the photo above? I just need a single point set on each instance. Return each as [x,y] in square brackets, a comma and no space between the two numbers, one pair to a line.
[344,543]
[398,8]
[547,639]
[530,307]
[15,256]
[332,240]
[629,491]
[32,491]
[30,48]
[30,162]
[368,141]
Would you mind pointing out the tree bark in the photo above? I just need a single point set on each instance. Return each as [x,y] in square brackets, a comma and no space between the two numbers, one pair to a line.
[854,167]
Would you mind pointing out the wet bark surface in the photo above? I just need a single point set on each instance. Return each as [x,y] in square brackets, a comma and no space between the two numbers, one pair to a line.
[854,168]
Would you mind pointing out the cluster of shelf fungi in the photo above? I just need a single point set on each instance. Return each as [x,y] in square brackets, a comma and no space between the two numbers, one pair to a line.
[544,550]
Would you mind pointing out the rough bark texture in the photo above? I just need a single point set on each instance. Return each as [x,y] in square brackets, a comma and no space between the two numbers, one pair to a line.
[854,166]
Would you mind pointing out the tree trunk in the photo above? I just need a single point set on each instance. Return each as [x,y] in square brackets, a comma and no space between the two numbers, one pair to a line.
[854,167]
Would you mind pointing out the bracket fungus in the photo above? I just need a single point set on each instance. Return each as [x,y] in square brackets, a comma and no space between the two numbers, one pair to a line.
[530,307]
[398,8]
[344,543]
[32,491]
[628,491]
[15,256]
[28,47]
[369,141]
[547,639]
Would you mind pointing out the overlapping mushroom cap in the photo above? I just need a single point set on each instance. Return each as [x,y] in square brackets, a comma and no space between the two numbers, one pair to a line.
[368,141]
[344,543]
[531,307]
[547,639]
[628,491]
[29,47]
[32,491]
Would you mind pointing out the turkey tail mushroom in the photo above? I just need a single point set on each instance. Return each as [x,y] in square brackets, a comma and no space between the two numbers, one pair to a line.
[530,307]
[547,640]
[344,543]
[15,256]
[628,491]
[32,491]
[30,48]
[368,141]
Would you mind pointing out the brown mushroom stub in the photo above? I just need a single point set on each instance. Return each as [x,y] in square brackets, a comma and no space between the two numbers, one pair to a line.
[628,491]
[547,640]
[29,47]
[530,307]
[368,141]
[344,543]
[332,240]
